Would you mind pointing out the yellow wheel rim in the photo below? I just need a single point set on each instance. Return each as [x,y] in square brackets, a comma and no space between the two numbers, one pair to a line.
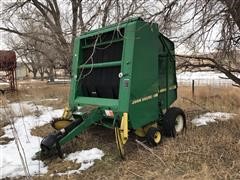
[157,137]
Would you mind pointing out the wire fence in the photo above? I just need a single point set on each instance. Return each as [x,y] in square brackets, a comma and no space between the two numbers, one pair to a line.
[205,82]
[204,79]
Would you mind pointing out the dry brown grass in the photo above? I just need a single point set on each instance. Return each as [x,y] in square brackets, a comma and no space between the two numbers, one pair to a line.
[224,99]
[54,95]
[207,152]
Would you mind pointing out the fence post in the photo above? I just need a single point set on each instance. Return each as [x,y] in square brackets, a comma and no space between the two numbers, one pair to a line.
[193,88]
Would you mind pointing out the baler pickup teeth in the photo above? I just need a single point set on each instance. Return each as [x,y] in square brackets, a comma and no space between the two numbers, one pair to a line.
[53,138]
[70,131]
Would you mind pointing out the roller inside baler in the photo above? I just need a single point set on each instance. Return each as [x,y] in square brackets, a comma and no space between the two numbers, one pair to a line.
[123,78]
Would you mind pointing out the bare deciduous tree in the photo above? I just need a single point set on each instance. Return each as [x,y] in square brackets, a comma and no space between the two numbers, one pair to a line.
[209,29]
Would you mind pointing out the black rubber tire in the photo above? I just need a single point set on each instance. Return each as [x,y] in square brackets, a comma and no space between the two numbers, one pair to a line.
[150,136]
[169,121]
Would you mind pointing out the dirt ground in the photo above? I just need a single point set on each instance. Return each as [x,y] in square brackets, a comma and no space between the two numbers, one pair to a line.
[206,152]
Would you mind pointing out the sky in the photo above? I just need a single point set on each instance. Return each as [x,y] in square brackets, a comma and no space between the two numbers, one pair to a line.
[3,46]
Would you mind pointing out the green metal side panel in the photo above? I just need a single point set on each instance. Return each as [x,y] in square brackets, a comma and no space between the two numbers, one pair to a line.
[80,101]
[76,61]
[167,72]
[126,67]
[144,81]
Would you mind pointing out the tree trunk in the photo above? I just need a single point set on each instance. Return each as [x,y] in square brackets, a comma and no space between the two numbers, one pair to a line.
[51,75]
[34,74]
[233,8]
[42,76]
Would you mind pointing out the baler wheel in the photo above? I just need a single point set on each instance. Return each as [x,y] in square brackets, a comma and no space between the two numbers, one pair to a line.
[119,143]
[153,136]
[174,122]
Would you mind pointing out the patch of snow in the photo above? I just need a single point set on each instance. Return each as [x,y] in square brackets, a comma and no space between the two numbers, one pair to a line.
[67,173]
[50,99]
[60,80]
[212,117]
[10,162]
[64,80]
[4,83]
[28,81]
[85,157]
[34,80]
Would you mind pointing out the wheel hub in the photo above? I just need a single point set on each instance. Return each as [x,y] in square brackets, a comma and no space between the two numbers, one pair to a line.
[179,125]
[157,137]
